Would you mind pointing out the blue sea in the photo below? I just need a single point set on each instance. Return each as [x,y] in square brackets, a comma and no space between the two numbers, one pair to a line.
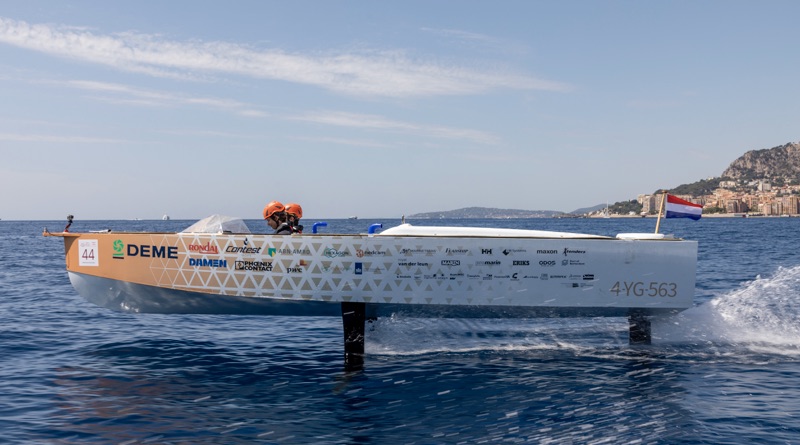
[724,372]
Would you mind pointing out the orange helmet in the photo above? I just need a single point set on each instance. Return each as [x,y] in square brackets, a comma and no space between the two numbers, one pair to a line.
[295,210]
[272,208]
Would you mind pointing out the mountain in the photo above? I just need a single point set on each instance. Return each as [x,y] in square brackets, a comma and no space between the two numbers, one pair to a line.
[585,210]
[777,163]
[699,188]
[487,213]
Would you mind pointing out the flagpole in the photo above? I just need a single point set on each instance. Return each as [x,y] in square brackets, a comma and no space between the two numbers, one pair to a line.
[661,209]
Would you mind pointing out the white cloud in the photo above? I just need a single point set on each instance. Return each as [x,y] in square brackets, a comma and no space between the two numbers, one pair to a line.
[124,94]
[375,73]
[479,42]
[366,121]
[344,141]
[12,137]
[462,35]
[138,96]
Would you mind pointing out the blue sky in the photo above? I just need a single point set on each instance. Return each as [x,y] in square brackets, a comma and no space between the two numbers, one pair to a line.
[115,110]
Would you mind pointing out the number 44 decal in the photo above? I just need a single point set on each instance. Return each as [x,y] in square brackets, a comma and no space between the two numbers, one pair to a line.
[88,254]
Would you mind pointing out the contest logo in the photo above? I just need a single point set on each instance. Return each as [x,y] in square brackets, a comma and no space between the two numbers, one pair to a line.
[243,249]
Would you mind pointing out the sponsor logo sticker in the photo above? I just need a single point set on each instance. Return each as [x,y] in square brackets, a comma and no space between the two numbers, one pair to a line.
[488,263]
[370,252]
[418,251]
[568,251]
[330,252]
[119,250]
[203,248]
[243,249]
[203,262]
[256,266]
[149,251]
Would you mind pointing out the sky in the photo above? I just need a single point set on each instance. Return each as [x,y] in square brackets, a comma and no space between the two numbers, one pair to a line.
[123,110]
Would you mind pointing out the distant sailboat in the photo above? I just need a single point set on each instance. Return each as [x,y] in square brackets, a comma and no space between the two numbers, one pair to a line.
[606,214]
[165,217]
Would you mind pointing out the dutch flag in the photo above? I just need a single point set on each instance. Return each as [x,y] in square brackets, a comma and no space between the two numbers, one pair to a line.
[679,208]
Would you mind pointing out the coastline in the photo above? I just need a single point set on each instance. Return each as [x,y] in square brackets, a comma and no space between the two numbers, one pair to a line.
[710,215]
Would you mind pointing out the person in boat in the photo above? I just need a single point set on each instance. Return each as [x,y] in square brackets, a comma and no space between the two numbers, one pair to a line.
[275,215]
[293,214]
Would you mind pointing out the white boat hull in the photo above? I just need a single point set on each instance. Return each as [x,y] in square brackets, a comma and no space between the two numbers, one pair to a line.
[441,276]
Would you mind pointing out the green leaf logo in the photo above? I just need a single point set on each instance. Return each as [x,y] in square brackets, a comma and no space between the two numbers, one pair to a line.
[119,248]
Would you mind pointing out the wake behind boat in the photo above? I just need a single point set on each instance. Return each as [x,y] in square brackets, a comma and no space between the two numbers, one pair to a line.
[217,266]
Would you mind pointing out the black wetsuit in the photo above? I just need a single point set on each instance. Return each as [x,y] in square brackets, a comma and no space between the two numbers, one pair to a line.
[284,229]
